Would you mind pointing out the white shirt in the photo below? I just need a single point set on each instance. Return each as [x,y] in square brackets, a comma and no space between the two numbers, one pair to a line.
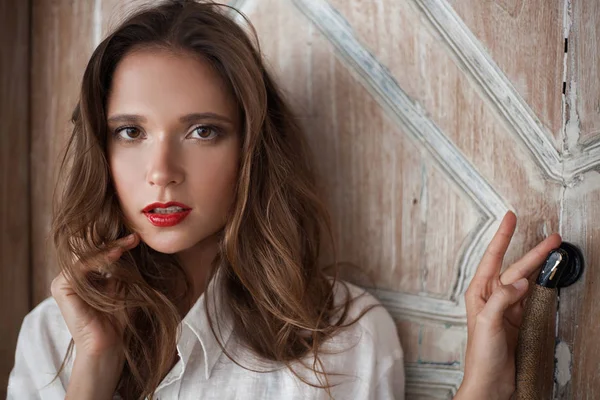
[373,368]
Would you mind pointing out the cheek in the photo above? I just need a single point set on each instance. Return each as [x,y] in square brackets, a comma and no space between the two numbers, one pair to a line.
[123,170]
[215,179]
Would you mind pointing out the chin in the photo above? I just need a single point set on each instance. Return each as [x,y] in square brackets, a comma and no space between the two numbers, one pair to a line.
[169,244]
[165,248]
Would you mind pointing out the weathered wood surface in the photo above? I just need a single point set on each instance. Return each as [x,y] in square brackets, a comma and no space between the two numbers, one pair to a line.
[15,290]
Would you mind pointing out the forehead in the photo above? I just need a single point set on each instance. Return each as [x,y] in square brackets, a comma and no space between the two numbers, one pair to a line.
[162,82]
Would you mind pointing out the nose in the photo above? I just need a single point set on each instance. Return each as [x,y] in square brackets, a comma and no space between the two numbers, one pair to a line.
[163,165]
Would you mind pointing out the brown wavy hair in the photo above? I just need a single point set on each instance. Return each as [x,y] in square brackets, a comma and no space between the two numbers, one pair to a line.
[281,298]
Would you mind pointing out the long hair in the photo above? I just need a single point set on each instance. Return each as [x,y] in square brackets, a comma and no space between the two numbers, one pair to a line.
[281,299]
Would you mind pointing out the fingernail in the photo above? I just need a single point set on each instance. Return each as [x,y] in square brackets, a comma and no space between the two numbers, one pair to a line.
[130,238]
[520,284]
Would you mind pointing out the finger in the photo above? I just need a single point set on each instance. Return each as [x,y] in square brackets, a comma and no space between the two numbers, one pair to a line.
[502,298]
[65,298]
[109,255]
[491,262]
[61,288]
[127,242]
[531,261]
[120,247]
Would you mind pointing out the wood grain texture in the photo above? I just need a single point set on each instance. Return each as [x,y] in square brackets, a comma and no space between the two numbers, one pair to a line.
[15,287]
[412,50]
[577,373]
[482,70]
[62,40]
[372,197]
[428,137]
[584,77]
[422,67]
[525,38]
[431,383]
[427,344]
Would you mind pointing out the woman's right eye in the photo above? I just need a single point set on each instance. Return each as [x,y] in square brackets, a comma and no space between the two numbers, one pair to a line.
[127,133]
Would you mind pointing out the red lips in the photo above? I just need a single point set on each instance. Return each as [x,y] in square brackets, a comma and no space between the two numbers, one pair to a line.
[166,220]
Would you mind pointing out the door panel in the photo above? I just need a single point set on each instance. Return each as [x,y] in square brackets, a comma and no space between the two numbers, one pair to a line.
[583,72]
[525,39]
[576,372]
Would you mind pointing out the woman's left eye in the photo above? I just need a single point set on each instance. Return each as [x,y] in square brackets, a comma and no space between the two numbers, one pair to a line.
[206,132]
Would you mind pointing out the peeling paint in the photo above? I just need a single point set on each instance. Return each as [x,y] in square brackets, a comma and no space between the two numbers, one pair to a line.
[563,364]
[572,129]
[454,363]
[543,229]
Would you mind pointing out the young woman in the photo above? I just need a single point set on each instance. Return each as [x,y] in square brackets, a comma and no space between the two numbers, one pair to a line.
[188,232]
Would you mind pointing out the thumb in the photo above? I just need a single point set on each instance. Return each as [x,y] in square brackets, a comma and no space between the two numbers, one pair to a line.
[502,298]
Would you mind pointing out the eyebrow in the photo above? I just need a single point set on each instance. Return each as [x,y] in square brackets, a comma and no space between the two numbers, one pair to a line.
[186,118]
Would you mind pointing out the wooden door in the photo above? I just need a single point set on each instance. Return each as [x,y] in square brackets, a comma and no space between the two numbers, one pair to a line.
[15,289]
[429,119]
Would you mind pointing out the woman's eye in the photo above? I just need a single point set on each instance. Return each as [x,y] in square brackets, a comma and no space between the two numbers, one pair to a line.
[127,133]
[206,132]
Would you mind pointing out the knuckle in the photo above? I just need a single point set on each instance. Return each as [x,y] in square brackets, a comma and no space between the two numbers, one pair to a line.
[502,291]
[493,251]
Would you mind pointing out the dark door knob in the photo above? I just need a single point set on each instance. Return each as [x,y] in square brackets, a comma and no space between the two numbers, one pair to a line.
[562,267]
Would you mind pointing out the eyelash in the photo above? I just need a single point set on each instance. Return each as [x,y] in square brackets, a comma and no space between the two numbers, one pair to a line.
[213,128]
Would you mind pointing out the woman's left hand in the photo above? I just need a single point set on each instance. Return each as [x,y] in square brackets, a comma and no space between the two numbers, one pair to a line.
[494,303]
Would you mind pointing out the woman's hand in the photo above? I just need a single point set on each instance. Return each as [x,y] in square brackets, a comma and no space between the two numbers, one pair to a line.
[494,305]
[99,356]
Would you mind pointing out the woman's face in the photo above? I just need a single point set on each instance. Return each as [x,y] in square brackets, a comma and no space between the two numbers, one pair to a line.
[173,137]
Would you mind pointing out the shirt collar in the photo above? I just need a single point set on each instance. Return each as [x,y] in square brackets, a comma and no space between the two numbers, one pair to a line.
[197,321]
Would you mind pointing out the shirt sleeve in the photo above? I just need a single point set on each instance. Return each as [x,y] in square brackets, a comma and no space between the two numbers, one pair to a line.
[36,359]
[20,380]
[391,383]
[379,356]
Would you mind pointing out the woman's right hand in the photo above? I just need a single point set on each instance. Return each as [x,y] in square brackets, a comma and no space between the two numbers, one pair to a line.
[99,356]
[92,333]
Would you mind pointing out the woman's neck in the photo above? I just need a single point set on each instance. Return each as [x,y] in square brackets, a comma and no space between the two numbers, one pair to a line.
[196,262]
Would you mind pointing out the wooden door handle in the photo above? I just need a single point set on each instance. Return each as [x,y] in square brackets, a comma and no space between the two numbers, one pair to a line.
[535,348]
